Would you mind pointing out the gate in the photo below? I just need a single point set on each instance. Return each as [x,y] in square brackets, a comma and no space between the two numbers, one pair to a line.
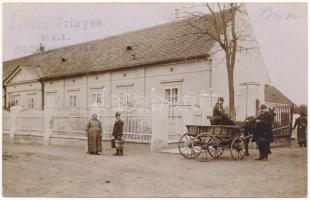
[282,124]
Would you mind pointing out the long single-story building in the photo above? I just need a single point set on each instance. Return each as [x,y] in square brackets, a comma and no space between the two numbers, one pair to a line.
[167,60]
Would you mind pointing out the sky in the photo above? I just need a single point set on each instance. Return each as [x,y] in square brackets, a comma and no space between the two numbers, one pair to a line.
[280,29]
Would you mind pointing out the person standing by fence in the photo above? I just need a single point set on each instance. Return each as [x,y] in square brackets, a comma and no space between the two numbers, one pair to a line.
[94,133]
[301,124]
[117,134]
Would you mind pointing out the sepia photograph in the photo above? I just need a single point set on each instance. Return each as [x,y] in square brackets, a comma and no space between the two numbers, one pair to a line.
[154,99]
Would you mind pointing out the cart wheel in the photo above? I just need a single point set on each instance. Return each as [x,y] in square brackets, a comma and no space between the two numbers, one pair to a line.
[189,147]
[204,156]
[214,147]
[203,140]
[237,148]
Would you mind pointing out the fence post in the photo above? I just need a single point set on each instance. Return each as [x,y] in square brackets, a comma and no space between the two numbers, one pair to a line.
[188,119]
[13,117]
[48,124]
[159,140]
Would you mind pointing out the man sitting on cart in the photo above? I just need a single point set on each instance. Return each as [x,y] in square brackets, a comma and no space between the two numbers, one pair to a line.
[219,115]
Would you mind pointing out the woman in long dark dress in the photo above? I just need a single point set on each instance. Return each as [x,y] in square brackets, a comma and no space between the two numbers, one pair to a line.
[301,124]
[94,131]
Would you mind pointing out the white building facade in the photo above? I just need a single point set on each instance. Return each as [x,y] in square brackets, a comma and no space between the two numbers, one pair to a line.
[135,70]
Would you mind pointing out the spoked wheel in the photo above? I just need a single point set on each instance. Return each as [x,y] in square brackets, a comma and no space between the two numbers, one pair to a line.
[215,149]
[237,148]
[203,139]
[204,156]
[189,147]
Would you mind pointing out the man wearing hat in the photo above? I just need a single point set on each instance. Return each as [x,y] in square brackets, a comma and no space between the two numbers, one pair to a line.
[117,134]
[263,133]
[219,115]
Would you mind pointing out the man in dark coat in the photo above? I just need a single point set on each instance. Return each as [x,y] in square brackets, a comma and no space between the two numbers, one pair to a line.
[301,124]
[117,134]
[219,115]
[263,133]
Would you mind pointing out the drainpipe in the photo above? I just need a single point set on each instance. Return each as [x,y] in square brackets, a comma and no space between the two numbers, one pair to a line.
[87,106]
[4,90]
[42,95]
[210,73]
[210,88]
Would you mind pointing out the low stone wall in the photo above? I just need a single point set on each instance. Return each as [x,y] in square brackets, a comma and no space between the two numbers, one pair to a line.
[5,138]
[28,139]
[68,141]
[23,138]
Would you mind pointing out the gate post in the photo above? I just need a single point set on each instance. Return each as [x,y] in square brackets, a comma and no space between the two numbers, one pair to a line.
[159,140]
[291,109]
[188,119]
[49,114]
[13,117]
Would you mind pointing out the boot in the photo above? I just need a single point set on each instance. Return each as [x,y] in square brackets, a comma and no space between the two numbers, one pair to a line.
[260,150]
[265,153]
[260,156]
[117,152]
[121,152]
[265,156]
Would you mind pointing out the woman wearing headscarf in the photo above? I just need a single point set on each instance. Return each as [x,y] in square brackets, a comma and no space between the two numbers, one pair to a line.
[301,124]
[94,133]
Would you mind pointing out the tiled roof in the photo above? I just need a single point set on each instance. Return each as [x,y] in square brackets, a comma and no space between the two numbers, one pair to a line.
[168,42]
[273,95]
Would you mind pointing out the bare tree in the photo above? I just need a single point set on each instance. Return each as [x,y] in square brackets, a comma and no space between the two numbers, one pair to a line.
[219,25]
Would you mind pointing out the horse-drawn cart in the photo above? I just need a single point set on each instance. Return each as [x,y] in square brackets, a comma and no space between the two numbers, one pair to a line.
[212,140]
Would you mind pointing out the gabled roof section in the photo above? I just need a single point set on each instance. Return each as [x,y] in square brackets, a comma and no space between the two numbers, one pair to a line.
[273,95]
[21,74]
[171,42]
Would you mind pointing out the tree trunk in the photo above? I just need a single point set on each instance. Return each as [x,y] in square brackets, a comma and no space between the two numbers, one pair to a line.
[231,91]
[231,66]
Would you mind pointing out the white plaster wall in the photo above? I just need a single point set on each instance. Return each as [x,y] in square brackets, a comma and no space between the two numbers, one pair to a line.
[24,90]
[249,67]
[54,87]
[192,78]
[131,79]
[98,83]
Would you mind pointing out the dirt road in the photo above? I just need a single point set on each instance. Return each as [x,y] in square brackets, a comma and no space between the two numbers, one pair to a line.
[58,171]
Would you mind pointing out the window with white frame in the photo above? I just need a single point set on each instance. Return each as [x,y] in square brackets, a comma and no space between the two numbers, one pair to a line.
[97,99]
[15,100]
[171,94]
[124,94]
[31,101]
[73,101]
